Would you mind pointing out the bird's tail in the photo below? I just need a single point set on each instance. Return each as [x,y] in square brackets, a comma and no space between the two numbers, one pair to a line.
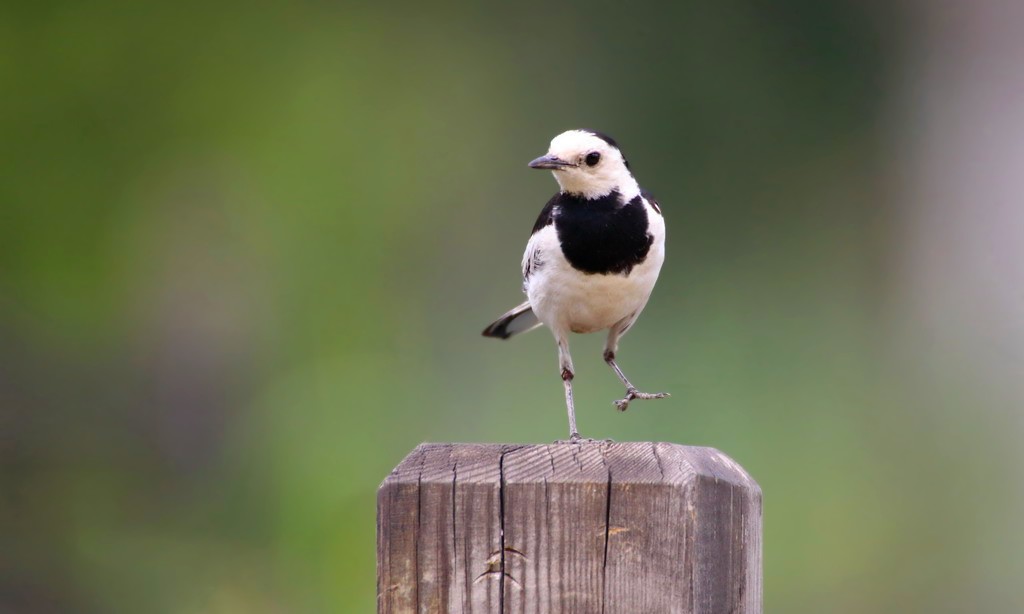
[519,320]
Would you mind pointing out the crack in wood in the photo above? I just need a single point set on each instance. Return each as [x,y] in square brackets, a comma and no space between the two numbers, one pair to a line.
[607,527]
[497,572]
[657,459]
[419,529]
[501,531]
[455,545]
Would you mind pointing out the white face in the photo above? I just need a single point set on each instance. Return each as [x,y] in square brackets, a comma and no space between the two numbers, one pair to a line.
[587,165]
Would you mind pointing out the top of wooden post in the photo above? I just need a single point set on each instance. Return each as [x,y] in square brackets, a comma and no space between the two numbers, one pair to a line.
[636,462]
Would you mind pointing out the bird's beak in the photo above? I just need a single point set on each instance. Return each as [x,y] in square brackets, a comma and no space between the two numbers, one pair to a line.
[550,162]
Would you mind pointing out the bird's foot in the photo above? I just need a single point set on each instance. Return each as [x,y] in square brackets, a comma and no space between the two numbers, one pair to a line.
[576,438]
[633,393]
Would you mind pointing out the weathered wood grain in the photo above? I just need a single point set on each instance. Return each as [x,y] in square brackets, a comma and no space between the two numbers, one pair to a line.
[597,527]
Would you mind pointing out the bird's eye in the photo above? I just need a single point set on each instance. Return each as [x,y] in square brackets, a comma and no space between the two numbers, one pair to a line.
[593,158]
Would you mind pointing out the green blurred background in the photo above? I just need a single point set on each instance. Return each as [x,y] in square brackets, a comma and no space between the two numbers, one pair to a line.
[247,249]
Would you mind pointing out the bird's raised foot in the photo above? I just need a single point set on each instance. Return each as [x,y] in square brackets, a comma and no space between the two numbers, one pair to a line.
[633,393]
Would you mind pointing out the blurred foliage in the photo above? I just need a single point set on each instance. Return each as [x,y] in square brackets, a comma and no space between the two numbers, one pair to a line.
[246,250]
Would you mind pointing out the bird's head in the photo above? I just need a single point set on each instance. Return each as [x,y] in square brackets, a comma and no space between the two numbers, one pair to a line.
[588,164]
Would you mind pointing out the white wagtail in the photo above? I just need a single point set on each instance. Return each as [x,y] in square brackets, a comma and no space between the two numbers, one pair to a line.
[593,258]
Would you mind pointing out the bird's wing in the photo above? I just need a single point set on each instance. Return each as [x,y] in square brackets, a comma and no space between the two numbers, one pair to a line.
[650,200]
[546,216]
[532,257]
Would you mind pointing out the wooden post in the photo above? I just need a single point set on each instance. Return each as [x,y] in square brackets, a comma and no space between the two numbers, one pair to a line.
[629,528]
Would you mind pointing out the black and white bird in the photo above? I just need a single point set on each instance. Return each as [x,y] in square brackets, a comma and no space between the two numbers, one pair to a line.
[593,258]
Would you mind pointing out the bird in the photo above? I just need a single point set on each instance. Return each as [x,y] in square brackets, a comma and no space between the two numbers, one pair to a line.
[593,257]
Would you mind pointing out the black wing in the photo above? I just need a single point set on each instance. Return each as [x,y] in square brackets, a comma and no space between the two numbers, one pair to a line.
[533,259]
[650,199]
[546,216]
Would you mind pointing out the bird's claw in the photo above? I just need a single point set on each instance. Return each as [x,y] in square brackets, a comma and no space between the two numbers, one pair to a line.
[573,438]
[633,393]
[576,438]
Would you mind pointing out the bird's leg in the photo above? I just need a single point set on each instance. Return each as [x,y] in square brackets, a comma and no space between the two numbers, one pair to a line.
[565,362]
[631,391]
[574,434]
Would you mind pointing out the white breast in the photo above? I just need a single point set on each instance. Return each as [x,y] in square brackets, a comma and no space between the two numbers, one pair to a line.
[566,299]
